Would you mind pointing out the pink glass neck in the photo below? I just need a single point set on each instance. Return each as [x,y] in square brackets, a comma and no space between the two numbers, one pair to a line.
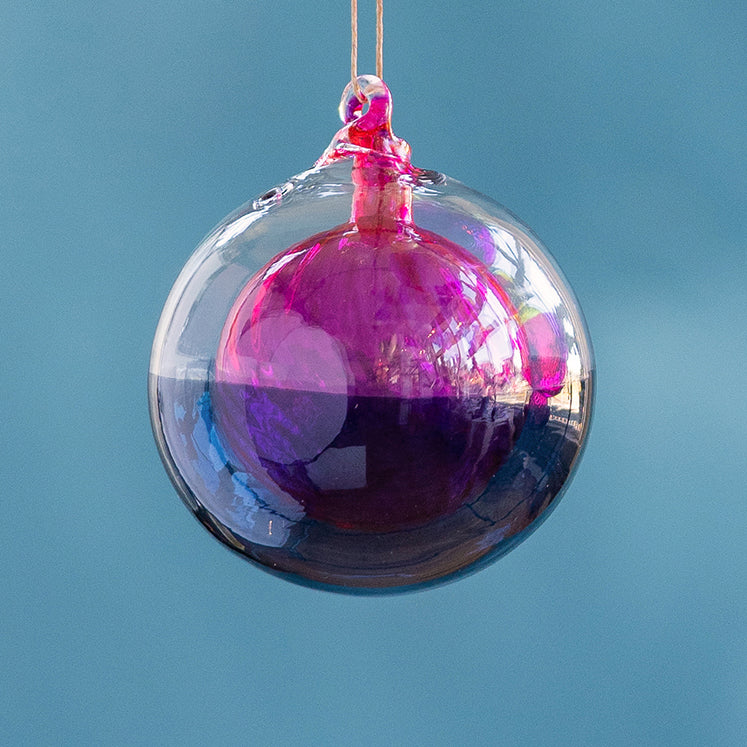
[381,160]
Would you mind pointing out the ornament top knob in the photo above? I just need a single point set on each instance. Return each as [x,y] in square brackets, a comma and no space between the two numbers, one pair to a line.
[368,127]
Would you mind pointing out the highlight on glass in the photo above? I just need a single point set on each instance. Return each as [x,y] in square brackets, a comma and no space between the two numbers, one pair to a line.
[372,378]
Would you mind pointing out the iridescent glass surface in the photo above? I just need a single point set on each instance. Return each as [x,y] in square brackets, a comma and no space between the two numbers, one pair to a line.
[371,378]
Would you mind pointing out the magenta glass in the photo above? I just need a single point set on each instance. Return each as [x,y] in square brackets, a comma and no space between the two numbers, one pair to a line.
[371,378]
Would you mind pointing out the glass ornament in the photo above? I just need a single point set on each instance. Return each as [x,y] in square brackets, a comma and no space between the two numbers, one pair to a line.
[371,378]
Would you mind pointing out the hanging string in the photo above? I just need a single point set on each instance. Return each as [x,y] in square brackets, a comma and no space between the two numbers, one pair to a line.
[380,39]
[354,44]
[354,48]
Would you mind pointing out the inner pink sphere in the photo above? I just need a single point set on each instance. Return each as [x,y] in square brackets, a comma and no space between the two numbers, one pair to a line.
[372,374]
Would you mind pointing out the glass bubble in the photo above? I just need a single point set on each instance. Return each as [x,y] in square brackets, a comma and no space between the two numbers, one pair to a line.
[371,378]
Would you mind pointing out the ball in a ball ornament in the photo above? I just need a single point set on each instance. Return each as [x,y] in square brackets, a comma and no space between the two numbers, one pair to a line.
[372,378]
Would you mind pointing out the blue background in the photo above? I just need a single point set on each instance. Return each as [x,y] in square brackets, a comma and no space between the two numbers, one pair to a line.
[616,130]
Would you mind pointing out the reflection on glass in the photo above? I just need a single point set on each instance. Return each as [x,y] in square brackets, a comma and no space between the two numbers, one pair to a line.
[371,378]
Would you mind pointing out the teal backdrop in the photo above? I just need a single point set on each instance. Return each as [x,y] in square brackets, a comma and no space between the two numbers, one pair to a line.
[617,131]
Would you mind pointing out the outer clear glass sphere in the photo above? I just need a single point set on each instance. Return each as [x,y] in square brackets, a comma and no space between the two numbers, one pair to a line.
[371,378]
